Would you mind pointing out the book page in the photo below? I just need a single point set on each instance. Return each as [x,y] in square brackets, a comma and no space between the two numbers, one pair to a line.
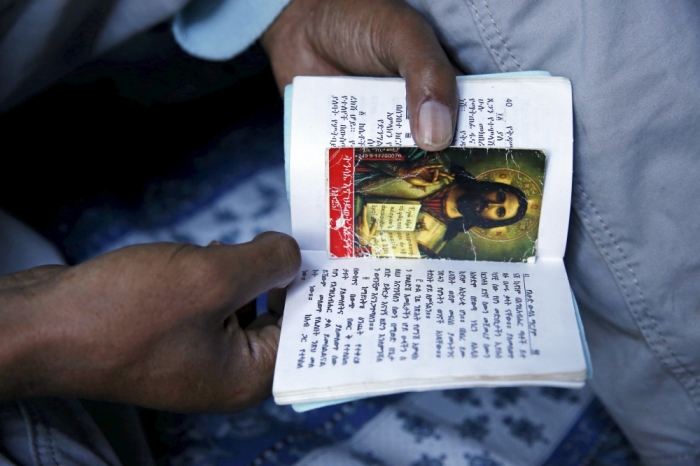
[402,244]
[524,113]
[394,217]
[393,228]
[356,327]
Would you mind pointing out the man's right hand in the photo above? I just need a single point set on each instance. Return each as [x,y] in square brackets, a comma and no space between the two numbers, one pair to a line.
[369,38]
[152,325]
[426,175]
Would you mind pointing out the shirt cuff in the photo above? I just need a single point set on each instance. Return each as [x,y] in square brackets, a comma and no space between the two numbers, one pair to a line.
[220,29]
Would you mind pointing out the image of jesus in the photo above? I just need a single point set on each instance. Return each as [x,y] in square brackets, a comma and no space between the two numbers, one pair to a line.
[459,203]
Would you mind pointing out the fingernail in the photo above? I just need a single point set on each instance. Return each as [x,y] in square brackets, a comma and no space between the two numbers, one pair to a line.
[215,243]
[435,124]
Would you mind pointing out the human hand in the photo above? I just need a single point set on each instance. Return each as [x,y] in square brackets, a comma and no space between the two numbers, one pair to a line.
[426,175]
[372,38]
[152,325]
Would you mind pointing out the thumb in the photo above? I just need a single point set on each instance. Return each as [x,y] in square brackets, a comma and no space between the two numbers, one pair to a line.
[431,88]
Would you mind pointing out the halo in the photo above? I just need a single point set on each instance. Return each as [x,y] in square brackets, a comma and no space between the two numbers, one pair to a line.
[532,191]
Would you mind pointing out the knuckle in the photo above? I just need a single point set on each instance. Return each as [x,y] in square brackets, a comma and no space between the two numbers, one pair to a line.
[289,252]
[282,253]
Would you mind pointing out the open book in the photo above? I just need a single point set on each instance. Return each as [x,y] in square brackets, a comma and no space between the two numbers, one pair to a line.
[424,270]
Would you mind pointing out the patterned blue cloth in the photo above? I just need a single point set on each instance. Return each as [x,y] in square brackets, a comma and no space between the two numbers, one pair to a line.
[471,427]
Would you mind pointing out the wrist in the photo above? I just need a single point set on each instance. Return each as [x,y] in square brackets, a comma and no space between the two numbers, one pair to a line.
[24,337]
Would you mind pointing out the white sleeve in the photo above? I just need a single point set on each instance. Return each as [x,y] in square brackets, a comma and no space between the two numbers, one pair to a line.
[220,29]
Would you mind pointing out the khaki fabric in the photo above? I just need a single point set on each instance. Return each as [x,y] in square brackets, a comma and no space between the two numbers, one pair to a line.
[633,255]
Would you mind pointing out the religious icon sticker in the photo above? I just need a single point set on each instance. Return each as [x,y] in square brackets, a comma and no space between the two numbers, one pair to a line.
[459,203]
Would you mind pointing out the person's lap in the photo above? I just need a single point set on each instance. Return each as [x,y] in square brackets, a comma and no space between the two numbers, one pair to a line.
[632,256]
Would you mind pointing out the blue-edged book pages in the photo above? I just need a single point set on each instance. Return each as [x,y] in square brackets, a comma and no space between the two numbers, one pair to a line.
[428,270]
